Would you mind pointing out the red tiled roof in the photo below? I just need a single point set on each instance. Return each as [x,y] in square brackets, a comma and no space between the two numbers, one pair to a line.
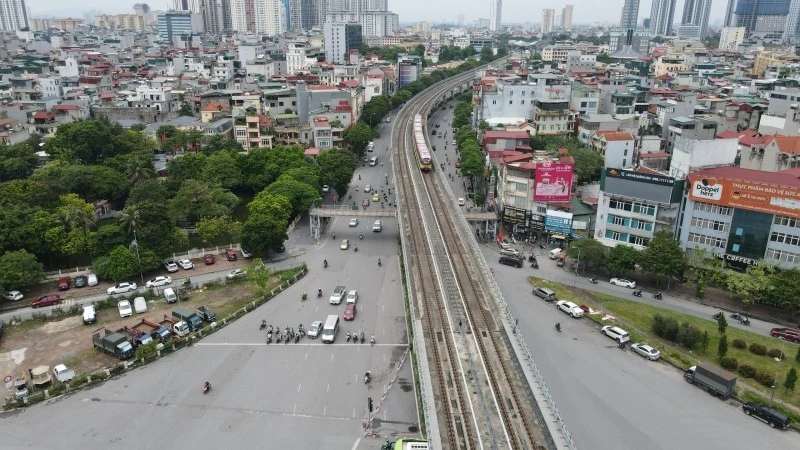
[68,107]
[494,134]
[786,144]
[105,95]
[615,135]
[749,141]
[727,134]
[665,77]
[214,107]
[43,115]
[748,132]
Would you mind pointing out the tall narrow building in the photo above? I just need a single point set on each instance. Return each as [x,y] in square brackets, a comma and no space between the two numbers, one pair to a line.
[630,14]
[212,16]
[13,15]
[566,17]
[548,17]
[696,12]
[662,14]
[268,17]
[495,14]
[728,19]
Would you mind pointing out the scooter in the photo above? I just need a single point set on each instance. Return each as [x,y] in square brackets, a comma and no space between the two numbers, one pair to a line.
[744,320]
[718,315]
[305,295]
[355,248]
[263,324]
[206,388]
[297,338]
[379,262]
[360,236]
[269,337]
[367,377]
[657,296]
[535,265]
[621,345]
[325,263]
[362,338]
[558,327]
[319,293]
[372,340]
[347,338]
[593,280]
[637,293]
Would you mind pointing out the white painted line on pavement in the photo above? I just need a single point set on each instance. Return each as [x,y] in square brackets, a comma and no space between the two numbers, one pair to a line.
[294,411]
[298,387]
[329,388]
[325,410]
[354,413]
[355,446]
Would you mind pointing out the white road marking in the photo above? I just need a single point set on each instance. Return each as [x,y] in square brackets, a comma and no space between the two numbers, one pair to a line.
[306,358]
[329,388]
[325,410]
[332,356]
[298,387]
[355,446]
[354,413]
[294,411]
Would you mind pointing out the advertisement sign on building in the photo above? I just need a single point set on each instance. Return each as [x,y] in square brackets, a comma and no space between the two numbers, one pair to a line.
[514,215]
[558,222]
[652,187]
[553,182]
[770,199]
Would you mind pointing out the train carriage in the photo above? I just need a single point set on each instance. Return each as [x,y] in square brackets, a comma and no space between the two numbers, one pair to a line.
[421,146]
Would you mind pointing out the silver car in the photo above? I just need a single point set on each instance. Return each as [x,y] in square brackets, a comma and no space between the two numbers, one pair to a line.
[315,329]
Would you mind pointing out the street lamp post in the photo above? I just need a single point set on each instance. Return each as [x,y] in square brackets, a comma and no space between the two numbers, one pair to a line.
[136,243]
[775,381]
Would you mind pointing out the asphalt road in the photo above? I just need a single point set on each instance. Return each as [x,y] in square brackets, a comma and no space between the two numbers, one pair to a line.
[307,395]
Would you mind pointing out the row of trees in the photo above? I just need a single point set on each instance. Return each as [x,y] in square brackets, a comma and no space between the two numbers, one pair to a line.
[588,164]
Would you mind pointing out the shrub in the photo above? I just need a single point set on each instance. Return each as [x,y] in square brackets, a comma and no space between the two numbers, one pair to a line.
[775,353]
[739,343]
[80,380]
[729,363]
[747,371]
[758,349]
[57,389]
[117,369]
[765,379]
[688,336]
[665,327]
[101,375]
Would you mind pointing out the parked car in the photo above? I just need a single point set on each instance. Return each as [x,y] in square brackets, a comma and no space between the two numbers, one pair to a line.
[208,258]
[171,266]
[646,350]
[764,413]
[247,253]
[47,300]
[616,333]
[91,279]
[461,201]
[230,254]
[124,308]
[787,334]
[349,312]
[326,188]
[315,329]
[63,283]
[80,281]
[159,281]
[570,308]
[624,283]
[237,273]
[122,288]
[345,244]
[353,222]
[185,264]
[13,296]
[511,261]
[352,296]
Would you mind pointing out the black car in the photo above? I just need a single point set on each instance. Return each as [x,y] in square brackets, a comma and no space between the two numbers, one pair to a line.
[764,413]
[81,281]
[511,261]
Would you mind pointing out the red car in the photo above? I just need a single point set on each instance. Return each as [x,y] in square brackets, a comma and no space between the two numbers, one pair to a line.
[788,334]
[47,300]
[208,258]
[350,311]
[230,254]
[63,283]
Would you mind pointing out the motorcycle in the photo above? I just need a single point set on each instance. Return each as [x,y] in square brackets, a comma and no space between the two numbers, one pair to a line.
[535,265]
[297,338]
[355,248]
[531,258]
[379,262]
[717,315]
[541,246]
[305,295]
[740,317]
[657,296]
[263,324]
[319,293]
[325,263]
[637,293]
[372,340]
[347,338]
[362,338]
[367,377]
[206,387]
[361,236]
[558,327]
[621,345]
[269,337]
[593,280]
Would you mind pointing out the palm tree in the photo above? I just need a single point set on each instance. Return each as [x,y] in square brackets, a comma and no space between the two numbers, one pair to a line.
[130,219]
[139,174]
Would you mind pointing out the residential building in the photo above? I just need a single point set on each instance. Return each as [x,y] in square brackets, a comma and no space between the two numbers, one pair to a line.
[630,14]
[617,147]
[135,22]
[763,18]
[730,38]
[340,39]
[553,118]
[566,17]
[495,15]
[767,59]
[662,15]
[211,10]
[409,69]
[253,130]
[578,61]
[693,154]
[640,39]
[778,153]
[242,15]
[174,24]
[728,20]
[373,23]
[696,12]
[689,128]
[13,15]
[332,102]
[548,17]
[269,18]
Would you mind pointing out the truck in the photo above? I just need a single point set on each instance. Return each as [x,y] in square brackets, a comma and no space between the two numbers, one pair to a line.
[190,317]
[712,379]
[136,338]
[63,374]
[177,327]
[206,314]
[114,344]
[153,329]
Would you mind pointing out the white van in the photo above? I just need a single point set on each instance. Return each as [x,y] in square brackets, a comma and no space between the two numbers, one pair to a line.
[89,315]
[170,296]
[373,161]
[139,305]
[91,279]
[554,253]
[330,329]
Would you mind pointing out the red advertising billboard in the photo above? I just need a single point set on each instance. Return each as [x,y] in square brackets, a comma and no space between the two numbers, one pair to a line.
[553,182]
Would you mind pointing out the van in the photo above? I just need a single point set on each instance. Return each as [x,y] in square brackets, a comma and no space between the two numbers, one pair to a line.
[373,161]
[554,253]
[169,295]
[544,293]
[139,305]
[330,329]
[89,315]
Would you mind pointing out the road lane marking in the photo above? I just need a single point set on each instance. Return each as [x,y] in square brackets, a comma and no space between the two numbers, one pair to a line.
[355,446]
[298,386]
[329,388]
[294,411]
[325,411]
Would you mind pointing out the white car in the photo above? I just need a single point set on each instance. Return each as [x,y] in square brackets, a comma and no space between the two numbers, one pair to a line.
[616,333]
[237,273]
[570,308]
[352,296]
[315,329]
[353,222]
[377,226]
[185,264]
[125,309]
[122,288]
[646,351]
[367,188]
[337,295]
[624,283]
[326,189]
[461,201]
[13,296]
[159,281]
[171,266]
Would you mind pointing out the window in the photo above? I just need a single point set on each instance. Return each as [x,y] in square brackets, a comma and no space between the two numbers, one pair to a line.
[710,224]
[638,240]
[786,221]
[511,102]
[523,101]
[782,238]
[613,235]
[715,209]
[241,133]
[647,210]
[619,204]
[624,162]
[707,240]
[783,256]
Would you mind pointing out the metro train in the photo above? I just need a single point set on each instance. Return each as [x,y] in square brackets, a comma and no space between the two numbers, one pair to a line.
[423,154]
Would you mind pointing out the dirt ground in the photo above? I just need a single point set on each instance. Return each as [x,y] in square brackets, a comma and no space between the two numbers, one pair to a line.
[68,341]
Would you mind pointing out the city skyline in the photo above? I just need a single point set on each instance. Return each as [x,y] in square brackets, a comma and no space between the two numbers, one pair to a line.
[411,11]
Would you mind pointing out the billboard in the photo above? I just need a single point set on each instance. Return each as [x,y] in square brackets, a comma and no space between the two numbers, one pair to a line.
[553,182]
[629,183]
[765,198]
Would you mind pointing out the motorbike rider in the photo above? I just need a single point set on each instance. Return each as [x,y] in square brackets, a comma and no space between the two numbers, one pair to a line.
[325,263]
[319,292]
[558,326]
[361,235]
[355,248]
[379,262]
[362,336]
[367,377]
[372,339]
[206,386]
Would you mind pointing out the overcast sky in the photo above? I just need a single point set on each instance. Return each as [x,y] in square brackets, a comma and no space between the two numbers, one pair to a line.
[438,11]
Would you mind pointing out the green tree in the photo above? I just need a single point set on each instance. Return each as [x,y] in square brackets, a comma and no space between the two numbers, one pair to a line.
[218,230]
[148,190]
[722,324]
[262,166]
[336,168]
[622,260]
[265,228]
[791,379]
[196,200]
[16,161]
[589,251]
[753,285]
[300,195]
[357,137]
[19,268]
[797,355]
[487,54]
[77,217]
[121,264]
[186,167]
[223,170]
[588,164]
[722,347]
[185,110]
[784,289]
[375,110]
[704,340]
[108,237]
[663,256]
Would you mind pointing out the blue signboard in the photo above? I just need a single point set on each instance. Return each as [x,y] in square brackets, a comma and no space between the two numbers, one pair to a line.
[556,224]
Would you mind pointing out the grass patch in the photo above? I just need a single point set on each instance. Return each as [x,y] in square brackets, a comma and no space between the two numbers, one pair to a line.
[637,319]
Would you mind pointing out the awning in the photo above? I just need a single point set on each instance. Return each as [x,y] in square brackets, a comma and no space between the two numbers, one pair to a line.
[558,236]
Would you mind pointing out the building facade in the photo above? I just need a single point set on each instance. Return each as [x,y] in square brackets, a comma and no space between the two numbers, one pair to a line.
[696,12]
[548,17]
[662,16]
[178,23]
[13,15]
[566,17]
[340,38]
[730,38]
[630,14]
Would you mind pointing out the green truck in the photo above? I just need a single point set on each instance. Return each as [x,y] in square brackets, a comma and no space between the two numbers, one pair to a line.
[115,344]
